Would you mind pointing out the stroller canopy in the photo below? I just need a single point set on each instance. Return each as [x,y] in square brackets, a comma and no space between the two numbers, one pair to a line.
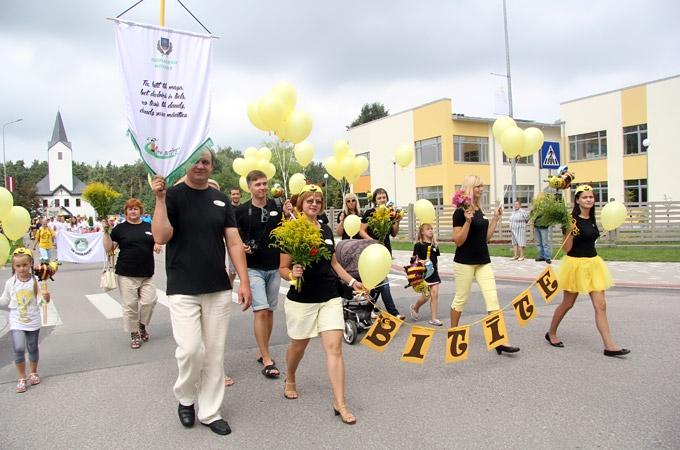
[347,253]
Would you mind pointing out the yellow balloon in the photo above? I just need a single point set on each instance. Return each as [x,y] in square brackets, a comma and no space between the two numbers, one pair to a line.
[296,183]
[351,178]
[239,166]
[298,125]
[286,94]
[512,141]
[243,184]
[16,223]
[424,210]
[352,224]
[250,152]
[501,124]
[341,150]
[613,215]
[333,167]
[4,249]
[403,155]
[6,202]
[304,152]
[270,112]
[533,138]
[265,154]
[346,167]
[360,165]
[254,116]
[270,170]
[374,265]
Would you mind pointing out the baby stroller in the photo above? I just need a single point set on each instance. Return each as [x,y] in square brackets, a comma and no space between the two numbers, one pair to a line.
[357,310]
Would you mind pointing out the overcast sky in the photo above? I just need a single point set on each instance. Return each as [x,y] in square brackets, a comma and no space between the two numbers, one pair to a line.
[60,55]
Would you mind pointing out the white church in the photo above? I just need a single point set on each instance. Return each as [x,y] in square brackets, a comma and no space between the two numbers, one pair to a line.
[60,192]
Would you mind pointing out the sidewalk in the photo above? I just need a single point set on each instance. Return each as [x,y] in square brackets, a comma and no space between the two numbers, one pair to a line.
[661,275]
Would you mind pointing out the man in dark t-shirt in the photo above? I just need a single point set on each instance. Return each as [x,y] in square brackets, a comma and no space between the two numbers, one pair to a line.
[255,220]
[195,220]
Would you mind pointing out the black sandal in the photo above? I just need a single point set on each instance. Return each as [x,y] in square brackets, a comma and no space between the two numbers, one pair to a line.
[268,371]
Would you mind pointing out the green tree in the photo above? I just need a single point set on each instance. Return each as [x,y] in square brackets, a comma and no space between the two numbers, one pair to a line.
[101,197]
[369,112]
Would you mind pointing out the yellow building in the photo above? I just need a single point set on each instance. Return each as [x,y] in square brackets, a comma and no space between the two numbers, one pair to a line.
[604,139]
[447,148]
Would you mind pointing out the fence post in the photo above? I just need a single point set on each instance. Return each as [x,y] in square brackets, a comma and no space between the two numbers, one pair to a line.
[411,222]
[652,212]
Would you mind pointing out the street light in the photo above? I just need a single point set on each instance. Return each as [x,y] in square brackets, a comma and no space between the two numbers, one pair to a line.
[4,160]
[325,182]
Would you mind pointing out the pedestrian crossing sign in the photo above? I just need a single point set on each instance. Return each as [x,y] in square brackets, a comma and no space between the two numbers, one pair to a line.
[550,155]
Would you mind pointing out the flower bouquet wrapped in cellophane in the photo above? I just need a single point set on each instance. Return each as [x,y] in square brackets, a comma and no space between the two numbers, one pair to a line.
[547,210]
[302,240]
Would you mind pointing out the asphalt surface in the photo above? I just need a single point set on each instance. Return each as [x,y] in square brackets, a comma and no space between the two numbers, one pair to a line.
[98,393]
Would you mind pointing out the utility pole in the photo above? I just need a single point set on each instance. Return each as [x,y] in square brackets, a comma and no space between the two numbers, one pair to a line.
[513,163]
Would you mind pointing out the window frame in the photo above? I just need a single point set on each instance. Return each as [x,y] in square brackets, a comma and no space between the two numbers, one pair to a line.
[460,140]
[635,130]
[588,138]
[438,194]
[642,188]
[426,142]
[527,194]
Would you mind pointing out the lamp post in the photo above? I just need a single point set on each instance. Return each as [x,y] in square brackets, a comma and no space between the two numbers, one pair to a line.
[325,182]
[4,160]
[394,178]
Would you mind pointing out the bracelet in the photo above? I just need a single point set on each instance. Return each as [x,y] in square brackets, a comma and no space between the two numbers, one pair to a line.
[351,282]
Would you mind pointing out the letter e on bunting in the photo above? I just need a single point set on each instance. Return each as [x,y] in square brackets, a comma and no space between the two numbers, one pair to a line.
[494,330]
[417,345]
[547,284]
[381,333]
[525,309]
[457,344]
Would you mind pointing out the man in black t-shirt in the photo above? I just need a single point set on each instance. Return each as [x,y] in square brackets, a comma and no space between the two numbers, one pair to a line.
[255,220]
[195,220]
[235,197]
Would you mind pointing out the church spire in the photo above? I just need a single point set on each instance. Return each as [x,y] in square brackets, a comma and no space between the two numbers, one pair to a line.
[59,133]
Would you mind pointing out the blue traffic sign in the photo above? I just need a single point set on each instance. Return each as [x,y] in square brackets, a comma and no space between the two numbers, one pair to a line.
[550,155]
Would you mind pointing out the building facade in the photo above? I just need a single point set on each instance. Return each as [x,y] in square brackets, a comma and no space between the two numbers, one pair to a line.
[448,147]
[60,191]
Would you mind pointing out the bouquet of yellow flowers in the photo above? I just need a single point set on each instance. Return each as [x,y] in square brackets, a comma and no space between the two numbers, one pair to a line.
[380,222]
[302,240]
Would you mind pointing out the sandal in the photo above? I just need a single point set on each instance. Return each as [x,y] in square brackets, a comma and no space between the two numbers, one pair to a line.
[346,416]
[135,341]
[228,381]
[21,386]
[290,394]
[143,334]
[271,371]
[414,315]
[435,322]
[34,379]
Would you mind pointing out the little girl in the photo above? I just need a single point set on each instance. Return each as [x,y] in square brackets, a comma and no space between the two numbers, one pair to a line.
[425,248]
[21,293]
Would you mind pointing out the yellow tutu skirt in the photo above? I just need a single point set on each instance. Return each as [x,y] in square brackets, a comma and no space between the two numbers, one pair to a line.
[584,275]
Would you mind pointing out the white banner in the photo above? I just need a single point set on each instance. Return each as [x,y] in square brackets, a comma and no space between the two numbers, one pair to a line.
[80,248]
[167,88]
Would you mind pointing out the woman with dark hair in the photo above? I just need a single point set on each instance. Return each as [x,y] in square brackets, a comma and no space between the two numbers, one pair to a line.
[135,268]
[380,197]
[584,272]
[350,206]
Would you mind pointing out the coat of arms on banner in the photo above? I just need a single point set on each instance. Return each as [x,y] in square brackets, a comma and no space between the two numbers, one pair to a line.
[164,46]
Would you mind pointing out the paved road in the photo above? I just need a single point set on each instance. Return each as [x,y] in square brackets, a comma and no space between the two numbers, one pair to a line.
[98,393]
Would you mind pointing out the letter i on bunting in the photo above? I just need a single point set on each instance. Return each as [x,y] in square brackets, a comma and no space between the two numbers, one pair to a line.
[547,284]
[457,344]
[494,330]
[525,309]
[417,345]
[381,333]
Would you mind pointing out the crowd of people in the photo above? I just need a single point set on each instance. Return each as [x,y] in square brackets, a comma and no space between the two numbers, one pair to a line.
[199,225]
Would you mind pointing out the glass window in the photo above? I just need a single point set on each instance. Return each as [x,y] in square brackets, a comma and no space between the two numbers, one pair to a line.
[525,194]
[368,170]
[588,145]
[77,202]
[59,156]
[471,149]
[601,192]
[45,204]
[56,203]
[429,152]
[435,194]
[66,202]
[632,139]
[635,190]
[485,195]
[525,160]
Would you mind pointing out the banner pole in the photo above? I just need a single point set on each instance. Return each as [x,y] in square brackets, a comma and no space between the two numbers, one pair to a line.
[162,18]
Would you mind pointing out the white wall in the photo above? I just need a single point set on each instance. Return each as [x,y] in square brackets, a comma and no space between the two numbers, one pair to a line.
[60,171]
[663,131]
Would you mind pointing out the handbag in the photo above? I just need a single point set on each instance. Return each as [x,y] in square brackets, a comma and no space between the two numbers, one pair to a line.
[108,280]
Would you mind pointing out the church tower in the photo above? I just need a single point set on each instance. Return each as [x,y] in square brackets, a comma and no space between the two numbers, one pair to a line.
[59,158]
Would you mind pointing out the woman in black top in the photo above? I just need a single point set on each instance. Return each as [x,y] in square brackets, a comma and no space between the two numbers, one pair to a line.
[350,206]
[316,309]
[471,233]
[582,271]
[135,268]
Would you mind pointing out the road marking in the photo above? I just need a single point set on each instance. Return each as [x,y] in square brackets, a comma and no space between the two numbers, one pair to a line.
[106,305]
[162,298]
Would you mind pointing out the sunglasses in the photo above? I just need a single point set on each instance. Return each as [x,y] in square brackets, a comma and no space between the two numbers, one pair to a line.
[353,200]
[313,201]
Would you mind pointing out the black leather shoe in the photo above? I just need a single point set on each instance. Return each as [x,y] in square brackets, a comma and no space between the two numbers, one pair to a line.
[622,352]
[187,415]
[559,344]
[507,349]
[548,261]
[219,426]
[539,259]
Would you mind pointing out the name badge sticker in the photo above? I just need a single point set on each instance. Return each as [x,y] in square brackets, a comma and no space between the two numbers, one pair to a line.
[329,241]
[219,203]
[273,213]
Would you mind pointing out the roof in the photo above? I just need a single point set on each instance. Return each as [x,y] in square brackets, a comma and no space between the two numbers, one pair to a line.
[620,89]
[463,117]
[43,187]
[59,133]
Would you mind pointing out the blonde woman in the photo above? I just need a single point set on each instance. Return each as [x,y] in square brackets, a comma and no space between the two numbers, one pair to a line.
[350,205]
[472,230]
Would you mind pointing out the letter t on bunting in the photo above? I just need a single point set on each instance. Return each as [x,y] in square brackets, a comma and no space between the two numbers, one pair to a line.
[525,309]
[381,333]
[457,344]
[547,284]
[417,345]
[494,330]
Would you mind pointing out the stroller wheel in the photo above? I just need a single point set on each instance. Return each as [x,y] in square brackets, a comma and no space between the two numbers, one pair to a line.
[350,332]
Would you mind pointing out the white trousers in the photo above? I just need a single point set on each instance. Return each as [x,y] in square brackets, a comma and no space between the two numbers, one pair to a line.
[199,325]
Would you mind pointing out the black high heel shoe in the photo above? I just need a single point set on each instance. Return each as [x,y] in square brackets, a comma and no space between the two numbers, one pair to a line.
[559,344]
[507,349]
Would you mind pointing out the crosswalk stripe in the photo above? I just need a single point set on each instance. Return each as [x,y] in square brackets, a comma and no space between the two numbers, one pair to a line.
[162,298]
[106,305]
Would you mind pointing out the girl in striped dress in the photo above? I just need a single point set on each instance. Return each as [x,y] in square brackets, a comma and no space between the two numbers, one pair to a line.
[518,228]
